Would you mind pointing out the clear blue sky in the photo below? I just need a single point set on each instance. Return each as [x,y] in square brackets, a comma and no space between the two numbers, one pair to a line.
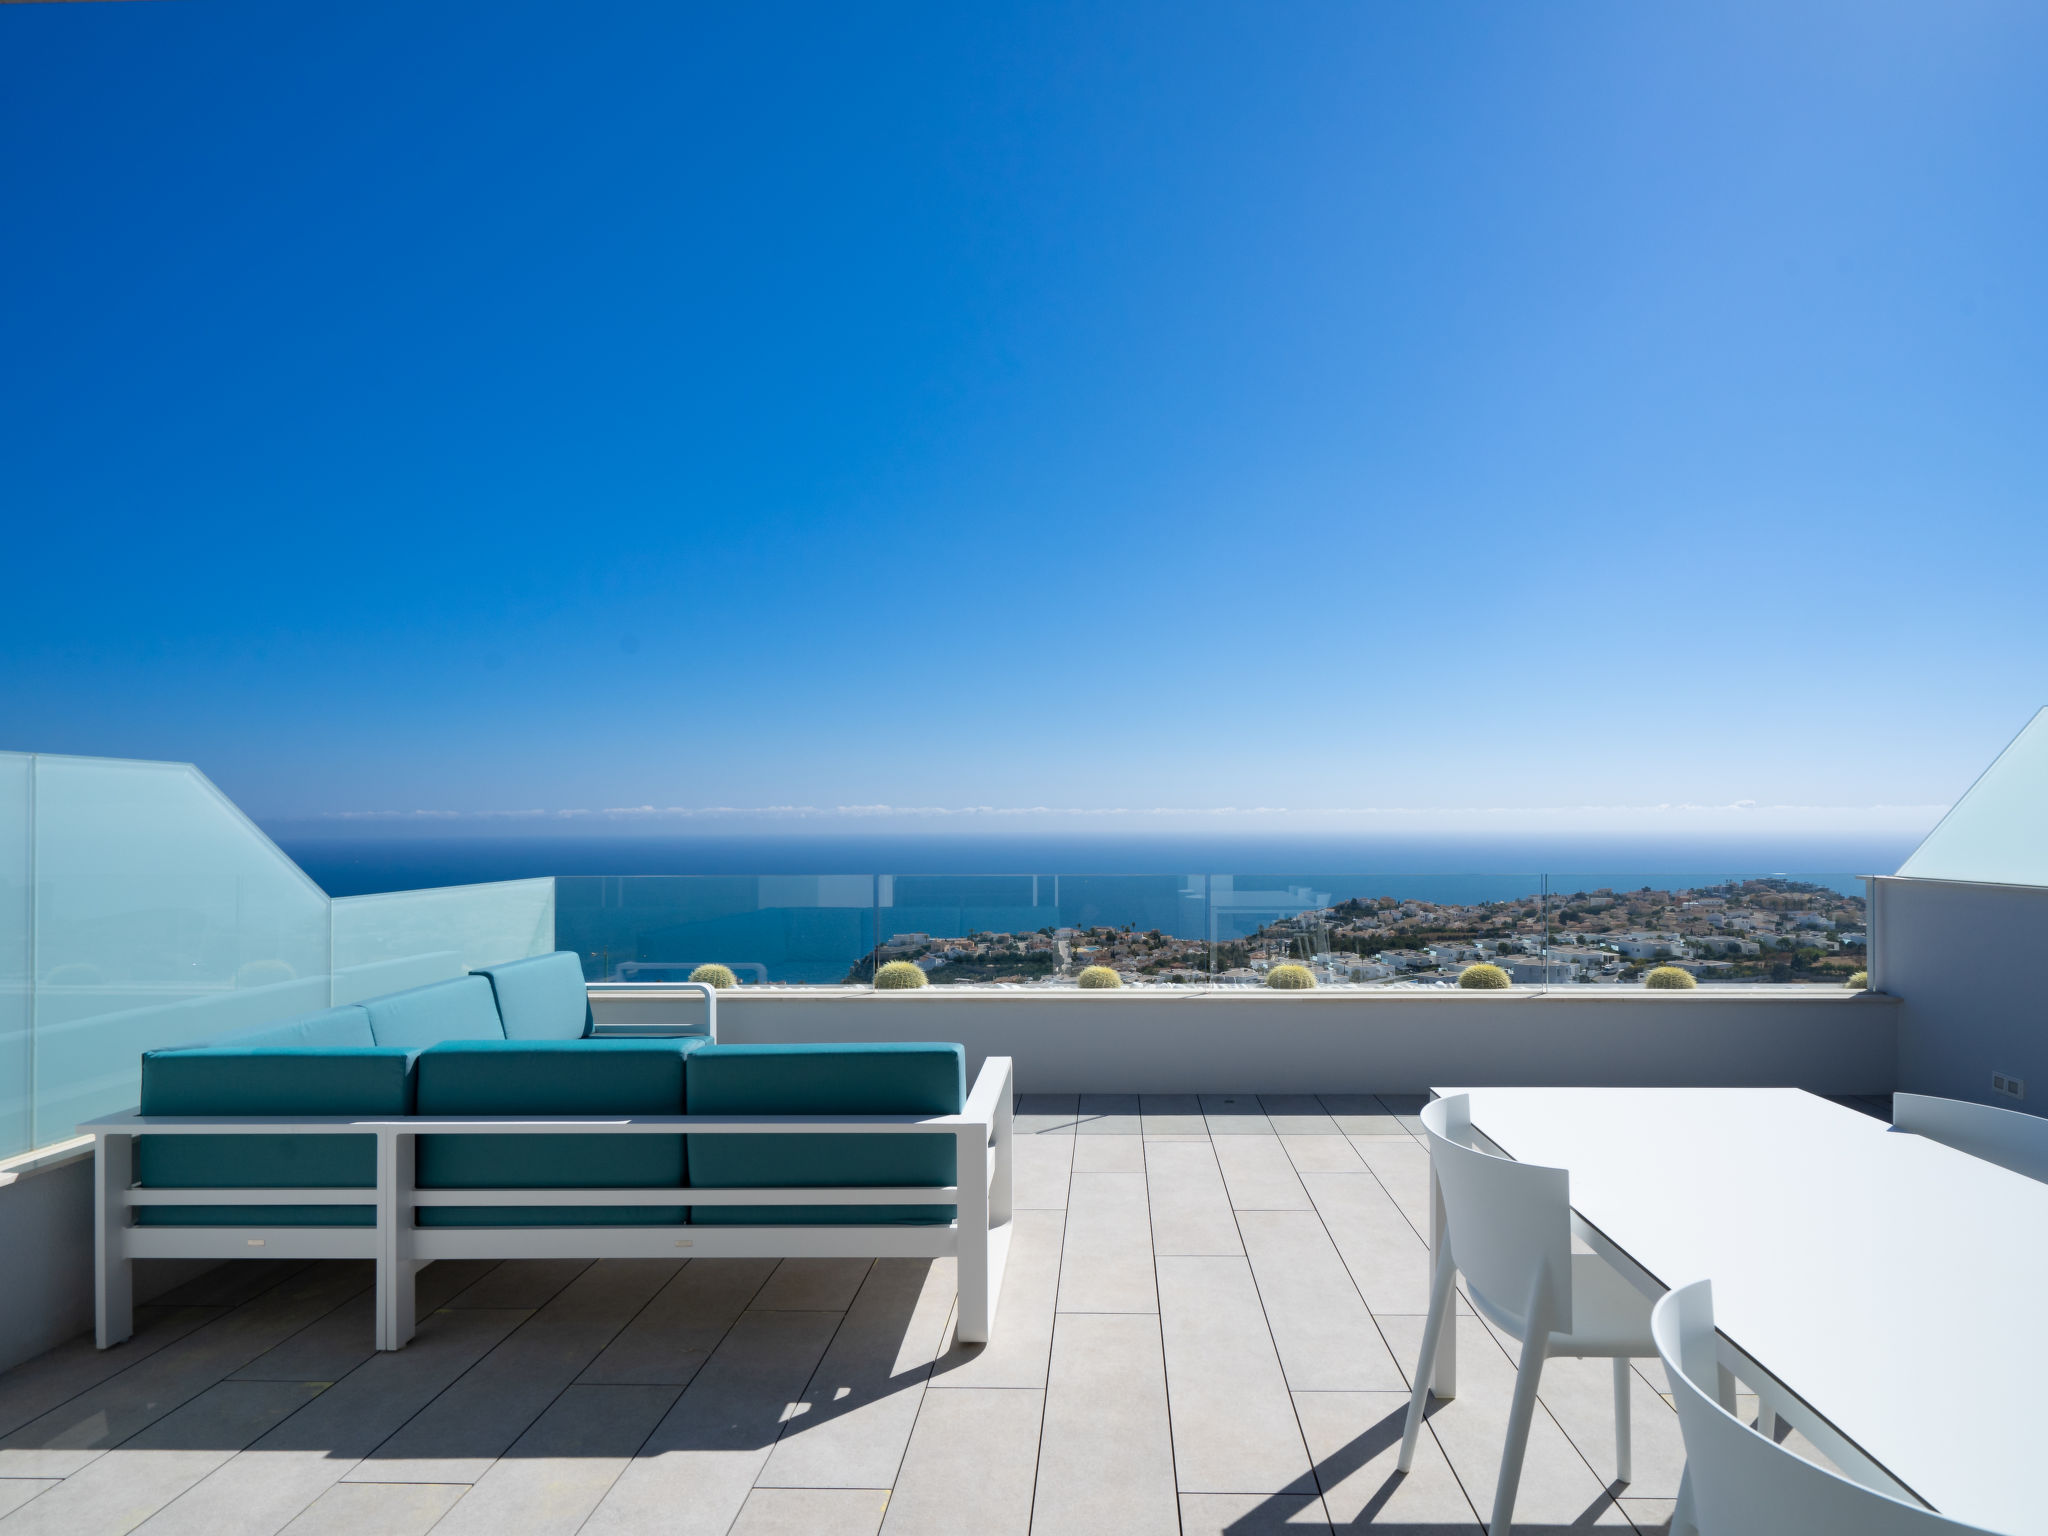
[487,406]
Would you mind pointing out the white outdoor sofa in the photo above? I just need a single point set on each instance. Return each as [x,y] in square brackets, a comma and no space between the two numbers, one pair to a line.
[978,1237]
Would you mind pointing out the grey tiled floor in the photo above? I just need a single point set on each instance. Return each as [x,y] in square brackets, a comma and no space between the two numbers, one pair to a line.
[1211,1309]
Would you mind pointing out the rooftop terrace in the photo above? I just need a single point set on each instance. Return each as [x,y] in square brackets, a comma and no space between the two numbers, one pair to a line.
[1209,1315]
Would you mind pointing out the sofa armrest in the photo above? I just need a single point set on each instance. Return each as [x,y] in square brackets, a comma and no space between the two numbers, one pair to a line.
[659,1029]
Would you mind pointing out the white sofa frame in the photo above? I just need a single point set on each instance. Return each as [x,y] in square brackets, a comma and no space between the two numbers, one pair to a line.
[979,1239]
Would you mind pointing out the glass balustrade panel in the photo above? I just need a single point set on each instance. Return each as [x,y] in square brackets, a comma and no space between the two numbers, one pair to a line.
[401,939]
[16,926]
[162,915]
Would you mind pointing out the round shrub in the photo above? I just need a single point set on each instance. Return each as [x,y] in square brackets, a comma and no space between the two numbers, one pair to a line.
[1486,978]
[719,976]
[1098,976]
[1670,978]
[1860,982]
[899,973]
[1290,978]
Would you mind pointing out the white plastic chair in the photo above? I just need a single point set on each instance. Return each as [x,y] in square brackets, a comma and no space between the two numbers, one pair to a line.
[1508,1230]
[2006,1137]
[1737,1483]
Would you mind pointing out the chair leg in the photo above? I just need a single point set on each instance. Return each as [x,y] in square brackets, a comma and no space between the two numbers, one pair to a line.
[1624,1471]
[1440,1293]
[1520,1416]
[1683,1521]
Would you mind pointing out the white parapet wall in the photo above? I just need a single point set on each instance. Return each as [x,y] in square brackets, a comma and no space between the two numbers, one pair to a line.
[46,1251]
[1245,1039]
[1962,958]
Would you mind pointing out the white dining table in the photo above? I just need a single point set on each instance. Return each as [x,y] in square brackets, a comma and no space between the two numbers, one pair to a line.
[1885,1293]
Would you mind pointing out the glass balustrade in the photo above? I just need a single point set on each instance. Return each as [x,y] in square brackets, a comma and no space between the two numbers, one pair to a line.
[1586,927]
[140,909]
[403,939]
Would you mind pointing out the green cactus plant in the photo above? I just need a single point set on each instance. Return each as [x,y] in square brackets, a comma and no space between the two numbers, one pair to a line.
[1290,978]
[1670,978]
[1860,982]
[719,976]
[1098,976]
[1484,978]
[899,973]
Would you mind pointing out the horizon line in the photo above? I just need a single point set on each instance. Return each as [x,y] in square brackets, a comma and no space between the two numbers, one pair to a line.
[1894,814]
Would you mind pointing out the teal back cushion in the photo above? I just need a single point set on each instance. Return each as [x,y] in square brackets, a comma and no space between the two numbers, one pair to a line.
[347,1025]
[552,1077]
[541,998]
[824,1080]
[268,1080]
[462,1009]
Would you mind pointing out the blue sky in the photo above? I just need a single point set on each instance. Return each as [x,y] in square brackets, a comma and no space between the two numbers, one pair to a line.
[1447,410]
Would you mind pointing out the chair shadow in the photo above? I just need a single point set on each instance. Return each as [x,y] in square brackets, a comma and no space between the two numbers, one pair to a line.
[1272,1514]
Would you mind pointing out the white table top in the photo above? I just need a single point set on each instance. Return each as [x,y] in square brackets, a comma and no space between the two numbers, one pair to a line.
[1894,1284]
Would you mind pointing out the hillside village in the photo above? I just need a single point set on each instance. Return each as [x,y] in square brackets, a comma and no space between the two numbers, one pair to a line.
[1767,930]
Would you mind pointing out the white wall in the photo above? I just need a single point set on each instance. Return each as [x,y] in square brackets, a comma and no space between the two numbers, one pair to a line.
[1965,962]
[1250,1040]
[46,1257]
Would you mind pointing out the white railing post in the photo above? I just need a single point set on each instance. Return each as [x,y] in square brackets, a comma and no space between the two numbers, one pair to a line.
[113,1270]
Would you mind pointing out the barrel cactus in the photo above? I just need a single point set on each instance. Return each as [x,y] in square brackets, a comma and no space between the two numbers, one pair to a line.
[1670,978]
[719,976]
[1098,976]
[1485,978]
[1860,982]
[1290,978]
[899,973]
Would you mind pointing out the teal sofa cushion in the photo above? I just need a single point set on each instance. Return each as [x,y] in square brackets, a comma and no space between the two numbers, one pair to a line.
[347,1025]
[541,998]
[552,1077]
[911,1079]
[268,1080]
[461,1009]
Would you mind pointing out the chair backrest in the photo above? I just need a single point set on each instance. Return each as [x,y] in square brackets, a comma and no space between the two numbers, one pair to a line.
[1743,1484]
[1509,1222]
[2002,1136]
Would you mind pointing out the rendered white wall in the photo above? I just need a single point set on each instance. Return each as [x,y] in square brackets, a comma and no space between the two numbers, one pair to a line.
[1822,1039]
[1964,961]
[46,1259]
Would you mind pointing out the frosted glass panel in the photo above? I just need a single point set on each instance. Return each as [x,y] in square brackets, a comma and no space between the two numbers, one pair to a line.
[15,867]
[409,938]
[1998,832]
[162,915]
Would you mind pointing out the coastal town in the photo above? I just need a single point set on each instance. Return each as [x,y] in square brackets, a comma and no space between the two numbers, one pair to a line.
[1772,930]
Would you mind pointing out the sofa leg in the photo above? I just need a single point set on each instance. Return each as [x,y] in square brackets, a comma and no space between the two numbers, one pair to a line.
[113,1270]
[394,1220]
[976,1304]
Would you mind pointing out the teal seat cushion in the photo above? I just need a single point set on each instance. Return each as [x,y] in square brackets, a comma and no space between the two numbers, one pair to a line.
[541,998]
[461,1009]
[268,1080]
[913,1079]
[347,1025]
[552,1077]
